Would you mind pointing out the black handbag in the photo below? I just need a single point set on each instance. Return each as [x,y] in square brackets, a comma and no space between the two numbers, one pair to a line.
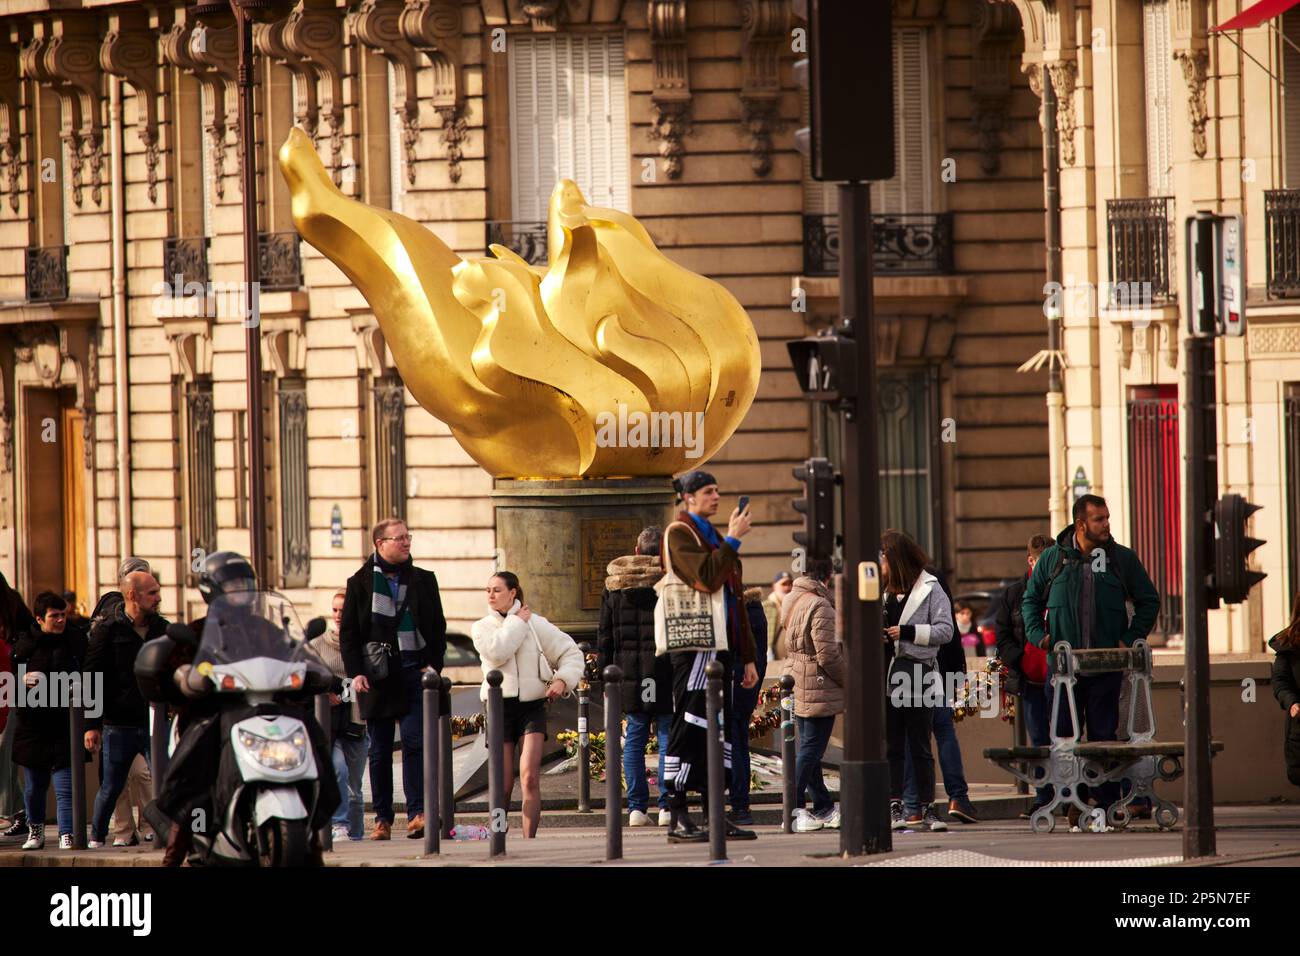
[375,660]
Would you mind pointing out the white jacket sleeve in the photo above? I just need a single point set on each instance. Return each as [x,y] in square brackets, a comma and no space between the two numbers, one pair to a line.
[561,652]
[496,643]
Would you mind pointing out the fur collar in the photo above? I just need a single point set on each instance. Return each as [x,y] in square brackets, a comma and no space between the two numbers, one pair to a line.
[633,571]
[753,595]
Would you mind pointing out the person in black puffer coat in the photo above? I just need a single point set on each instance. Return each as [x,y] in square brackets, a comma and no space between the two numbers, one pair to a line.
[1286,688]
[626,637]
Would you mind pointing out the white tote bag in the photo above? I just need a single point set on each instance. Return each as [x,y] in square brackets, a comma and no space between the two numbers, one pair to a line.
[687,619]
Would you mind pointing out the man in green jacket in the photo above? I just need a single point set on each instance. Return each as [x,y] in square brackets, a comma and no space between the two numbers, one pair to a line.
[1080,589]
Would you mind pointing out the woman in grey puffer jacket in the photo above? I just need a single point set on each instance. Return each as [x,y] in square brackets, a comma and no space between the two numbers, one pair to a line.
[815,659]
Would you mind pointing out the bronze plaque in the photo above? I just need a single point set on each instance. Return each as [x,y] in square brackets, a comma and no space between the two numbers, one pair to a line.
[603,540]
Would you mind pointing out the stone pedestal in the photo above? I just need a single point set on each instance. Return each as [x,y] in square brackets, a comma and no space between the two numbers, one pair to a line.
[558,536]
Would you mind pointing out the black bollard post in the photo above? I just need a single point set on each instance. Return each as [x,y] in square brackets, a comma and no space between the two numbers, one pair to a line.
[327,726]
[446,786]
[788,762]
[432,684]
[77,740]
[613,675]
[159,732]
[584,739]
[498,795]
[717,773]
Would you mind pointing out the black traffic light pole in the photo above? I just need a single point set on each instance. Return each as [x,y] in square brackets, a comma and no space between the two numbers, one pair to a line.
[864,771]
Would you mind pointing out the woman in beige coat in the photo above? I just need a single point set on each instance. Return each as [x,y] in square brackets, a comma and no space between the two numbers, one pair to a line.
[816,660]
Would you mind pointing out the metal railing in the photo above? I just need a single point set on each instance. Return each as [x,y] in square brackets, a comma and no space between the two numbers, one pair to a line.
[1140,233]
[185,263]
[1156,500]
[525,238]
[903,244]
[1282,240]
[47,274]
[279,263]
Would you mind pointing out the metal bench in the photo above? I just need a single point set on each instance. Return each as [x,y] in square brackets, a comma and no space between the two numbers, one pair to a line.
[1067,763]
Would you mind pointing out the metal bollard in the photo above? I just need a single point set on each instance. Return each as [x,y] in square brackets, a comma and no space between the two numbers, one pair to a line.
[717,773]
[159,732]
[613,676]
[498,796]
[788,761]
[446,786]
[327,725]
[77,739]
[584,739]
[432,684]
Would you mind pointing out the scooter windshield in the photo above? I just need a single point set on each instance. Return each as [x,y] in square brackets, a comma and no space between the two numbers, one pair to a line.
[248,624]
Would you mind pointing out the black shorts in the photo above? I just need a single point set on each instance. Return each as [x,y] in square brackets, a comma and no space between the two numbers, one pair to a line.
[527,717]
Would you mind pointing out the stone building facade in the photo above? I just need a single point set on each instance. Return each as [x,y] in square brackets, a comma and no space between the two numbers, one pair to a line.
[123,406]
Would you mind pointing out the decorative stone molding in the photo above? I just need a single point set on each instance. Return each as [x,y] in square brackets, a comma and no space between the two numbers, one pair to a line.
[1062,73]
[62,353]
[549,15]
[268,40]
[920,9]
[543,14]
[434,28]
[766,26]
[315,34]
[217,52]
[189,341]
[994,27]
[372,350]
[671,97]
[376,24]
[1194,64]
[10,128]
[129,51]
[284,344]
[180,46]
[1274,339]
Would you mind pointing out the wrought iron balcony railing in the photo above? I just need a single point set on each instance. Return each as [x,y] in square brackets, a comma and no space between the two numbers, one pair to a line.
[1282,239]
[47,274]
[526,239]
[1141,247]
[185,264]
[279,264]
[903,244]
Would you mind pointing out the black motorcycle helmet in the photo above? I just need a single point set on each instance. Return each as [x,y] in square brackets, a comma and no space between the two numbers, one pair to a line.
[223,572]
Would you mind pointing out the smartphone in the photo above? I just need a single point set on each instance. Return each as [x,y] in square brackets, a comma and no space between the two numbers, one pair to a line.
[744,503]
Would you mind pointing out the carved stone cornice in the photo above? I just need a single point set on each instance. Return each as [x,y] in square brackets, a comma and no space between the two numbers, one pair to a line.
[434,28]
[129,51]
[1062,73]
[269,40]
[543,14]
[1194,64]
[766,25]
[995,24]
[217,54]
[315,34]
[671,96]
[376,24]
[194,49]
[11,100]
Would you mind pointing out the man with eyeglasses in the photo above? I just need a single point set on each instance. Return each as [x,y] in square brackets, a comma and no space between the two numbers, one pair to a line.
[392,630]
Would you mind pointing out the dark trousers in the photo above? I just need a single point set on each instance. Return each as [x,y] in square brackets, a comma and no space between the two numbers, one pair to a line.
[908,723]
[743,703]
[381,730]
[1097,699]
[686,764]
[1038,714]
[814,735]
[120,745]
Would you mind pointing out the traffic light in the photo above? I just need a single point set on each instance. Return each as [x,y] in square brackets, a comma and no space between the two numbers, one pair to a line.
[1232,545]
[818,509]
[825,365]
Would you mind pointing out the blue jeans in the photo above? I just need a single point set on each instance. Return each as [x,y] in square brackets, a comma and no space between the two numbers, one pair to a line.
[1037,701]
[743,703]
[814,735]
[38,785]
[954,775]
[381,730]
[120,745]
[638,733]
[349,765]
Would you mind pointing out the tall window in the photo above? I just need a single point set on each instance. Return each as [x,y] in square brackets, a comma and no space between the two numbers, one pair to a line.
[1158,59]
[1155,496]
[1292,485]
[396,148]
[568,119]
[295,521]
[388,404]
[1291,101]
[910,191]
[200,467]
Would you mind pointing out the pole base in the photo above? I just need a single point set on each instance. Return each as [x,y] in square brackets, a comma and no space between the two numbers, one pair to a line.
[864,808]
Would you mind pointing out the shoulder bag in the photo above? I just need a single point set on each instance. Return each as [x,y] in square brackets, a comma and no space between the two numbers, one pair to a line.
[687,619]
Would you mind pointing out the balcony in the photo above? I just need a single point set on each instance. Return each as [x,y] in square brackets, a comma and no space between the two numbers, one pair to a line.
[526,239]
[1140,235]
[905,244]
[47,274]
[185,265]
[1282,240]
[279,264]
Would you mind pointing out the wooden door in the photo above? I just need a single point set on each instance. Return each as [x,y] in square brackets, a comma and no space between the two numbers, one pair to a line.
[73,444]
[41,533]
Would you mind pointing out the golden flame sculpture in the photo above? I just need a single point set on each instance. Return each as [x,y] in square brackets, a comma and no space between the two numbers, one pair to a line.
[613,361]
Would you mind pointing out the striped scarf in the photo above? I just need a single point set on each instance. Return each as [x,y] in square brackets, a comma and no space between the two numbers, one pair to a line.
[384,605]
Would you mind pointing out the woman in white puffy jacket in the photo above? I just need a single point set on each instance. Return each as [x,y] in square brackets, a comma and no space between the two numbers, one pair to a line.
[538,662]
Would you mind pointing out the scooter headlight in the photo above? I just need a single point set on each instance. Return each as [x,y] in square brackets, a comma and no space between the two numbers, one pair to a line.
[288,754]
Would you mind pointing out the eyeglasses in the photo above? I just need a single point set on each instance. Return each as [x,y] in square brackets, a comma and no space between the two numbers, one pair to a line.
[400,537]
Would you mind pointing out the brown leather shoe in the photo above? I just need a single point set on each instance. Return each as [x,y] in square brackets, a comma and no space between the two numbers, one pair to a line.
[383,831]
[415,829]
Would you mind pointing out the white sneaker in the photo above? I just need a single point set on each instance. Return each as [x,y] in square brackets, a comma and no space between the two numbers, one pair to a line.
[832,820]
[805,822]
[65,841]
[637,818]
[665,817]
[95,845]
[35,837]
[338,834]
